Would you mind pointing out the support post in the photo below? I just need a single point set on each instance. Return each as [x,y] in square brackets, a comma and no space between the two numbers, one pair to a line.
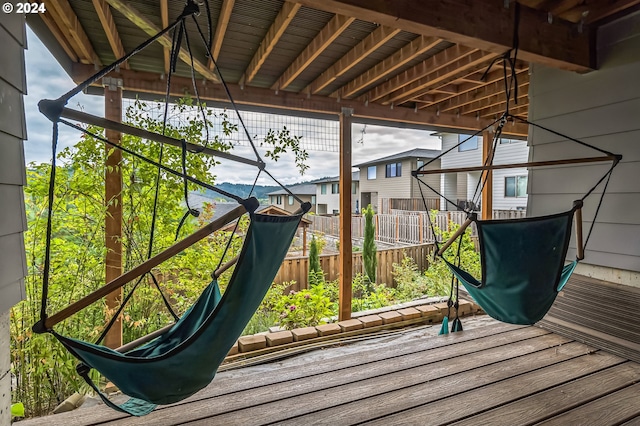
[113,218]
[304,240]
[346,256]
[487,189]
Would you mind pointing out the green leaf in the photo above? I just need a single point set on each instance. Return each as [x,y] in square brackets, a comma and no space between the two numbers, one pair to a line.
[17,410]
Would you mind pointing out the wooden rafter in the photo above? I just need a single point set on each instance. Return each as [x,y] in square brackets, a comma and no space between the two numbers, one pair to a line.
[521,108]
[275,32]
[50,22]
[164,16]
[325,37]
[403,56]
[490,101]
[596,11]
[487,26]
[221,29]
[481,93]
[110,29]
[366,47]
[70,26]
[448,74]
[433,63]
[146,82]
[150,28]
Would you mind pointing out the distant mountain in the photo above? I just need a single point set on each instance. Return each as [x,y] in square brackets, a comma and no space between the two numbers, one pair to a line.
[243,190]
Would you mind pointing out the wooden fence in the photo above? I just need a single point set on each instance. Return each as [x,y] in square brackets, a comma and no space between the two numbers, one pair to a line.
[402,226]
[409,204]
[297,268]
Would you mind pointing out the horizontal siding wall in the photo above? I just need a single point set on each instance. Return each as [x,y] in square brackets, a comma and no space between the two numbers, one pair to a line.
[603,109]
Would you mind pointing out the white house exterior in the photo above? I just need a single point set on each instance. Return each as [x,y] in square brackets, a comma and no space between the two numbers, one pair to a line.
[328,194]
[282,199]
[509,185]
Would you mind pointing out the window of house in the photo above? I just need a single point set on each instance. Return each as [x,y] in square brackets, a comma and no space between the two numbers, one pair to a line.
[371,172]
[335,188]
[419,164]
[504,141]
[469,143]
[279,199]
[313,200]
[354,187]
[323,188]
[393,170]
[515,186]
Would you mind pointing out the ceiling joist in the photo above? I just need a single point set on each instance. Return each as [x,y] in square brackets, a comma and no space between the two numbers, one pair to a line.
[366,47]
[70,26]
[164,17]
[325,37]
[491,101]
[221,29]
[488,26]
[151,29]
[275,32]
[108,24]
[50,22]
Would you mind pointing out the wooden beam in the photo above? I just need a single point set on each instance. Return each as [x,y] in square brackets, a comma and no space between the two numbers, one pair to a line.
[487,177]
[275,32]
[366,47]
[325,37]
[146,82]
[151,29]
[523,92]
[521,108]
[596,11]
[221,28]
[483,92]
[518,165]
[486,25]
[144,267]
[113,217]
[346,255]
[443,75]
[164,17]
[429,65]
[110,29]
[70,26]
[403,56]
[50,22]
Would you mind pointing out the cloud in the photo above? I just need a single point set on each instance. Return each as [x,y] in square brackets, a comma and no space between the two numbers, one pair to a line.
[47,80]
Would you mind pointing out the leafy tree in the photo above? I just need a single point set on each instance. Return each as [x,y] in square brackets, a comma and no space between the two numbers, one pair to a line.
[369,245]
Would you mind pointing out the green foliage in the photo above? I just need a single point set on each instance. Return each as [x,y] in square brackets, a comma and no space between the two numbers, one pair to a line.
[438,274]
[304,308]
[367,295]
[17,410]
[411,284]
[315,270]
[44,371]
[282,141]
[369,245]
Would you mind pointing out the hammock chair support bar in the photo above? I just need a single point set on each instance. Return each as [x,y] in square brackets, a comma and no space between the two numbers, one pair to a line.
[224,267]
[456,234]
[613,158]
[83,117]
[144,339]
[577,205]
[145,267]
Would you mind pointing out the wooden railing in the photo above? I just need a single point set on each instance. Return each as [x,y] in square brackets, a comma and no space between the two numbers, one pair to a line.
[410,204]
[297,268]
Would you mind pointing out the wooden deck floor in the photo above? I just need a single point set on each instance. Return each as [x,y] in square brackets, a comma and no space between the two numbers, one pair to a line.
[492,375]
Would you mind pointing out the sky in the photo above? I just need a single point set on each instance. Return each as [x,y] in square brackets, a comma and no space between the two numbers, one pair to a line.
[47,80]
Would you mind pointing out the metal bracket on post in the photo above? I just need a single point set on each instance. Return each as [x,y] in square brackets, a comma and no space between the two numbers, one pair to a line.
[112,83]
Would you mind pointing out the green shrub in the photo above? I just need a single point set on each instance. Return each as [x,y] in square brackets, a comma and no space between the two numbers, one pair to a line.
[304,308]
[369,248]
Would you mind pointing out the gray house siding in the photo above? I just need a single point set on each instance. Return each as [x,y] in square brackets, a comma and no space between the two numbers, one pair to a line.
[12,178]
[603,109]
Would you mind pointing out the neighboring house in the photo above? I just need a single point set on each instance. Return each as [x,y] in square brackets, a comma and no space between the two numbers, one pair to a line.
[304,191]
[328,194]
[509,185]
[390,177]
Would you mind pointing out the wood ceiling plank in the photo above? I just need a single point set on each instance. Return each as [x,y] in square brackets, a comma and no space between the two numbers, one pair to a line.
[164,16]
[275,32]
[150,28]
[403,56]
[487,25]
[429,65]
[221,29]
[366,47]
[69,24]
[50,22]
[110,29]
[146,82]
[325,37]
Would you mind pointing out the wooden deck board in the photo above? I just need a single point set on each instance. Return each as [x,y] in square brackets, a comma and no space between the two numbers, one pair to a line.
[497,375]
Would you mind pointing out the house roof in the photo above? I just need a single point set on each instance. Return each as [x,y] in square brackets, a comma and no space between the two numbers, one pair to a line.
[413,153]
[300,189]
[355,176]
